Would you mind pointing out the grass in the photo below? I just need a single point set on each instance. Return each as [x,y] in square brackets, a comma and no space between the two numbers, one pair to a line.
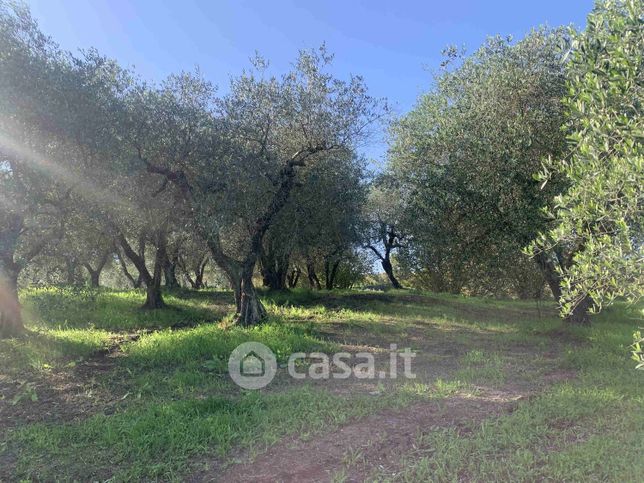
[588,429]
[119,310]
[158,440]
[163,406]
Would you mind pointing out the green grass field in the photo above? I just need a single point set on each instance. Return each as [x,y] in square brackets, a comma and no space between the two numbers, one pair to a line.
[100,390]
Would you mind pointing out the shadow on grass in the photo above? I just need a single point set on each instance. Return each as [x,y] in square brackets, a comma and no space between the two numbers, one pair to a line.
[119,311]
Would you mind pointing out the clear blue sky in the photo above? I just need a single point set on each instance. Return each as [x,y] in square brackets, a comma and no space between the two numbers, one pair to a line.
[394,44]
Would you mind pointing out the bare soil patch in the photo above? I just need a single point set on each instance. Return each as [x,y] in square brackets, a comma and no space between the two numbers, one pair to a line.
[377,442]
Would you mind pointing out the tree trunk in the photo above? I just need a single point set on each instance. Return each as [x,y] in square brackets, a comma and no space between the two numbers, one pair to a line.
[580,314]
[126,272]
[547,267]
[138,283]
[72,278]
[274,267]
[294,277]
[94,276]
[330,271]
[154,298]
[251,310]
[274,278]
[170,274]
[314,281]
[10,313]
[386,265]
[199,273]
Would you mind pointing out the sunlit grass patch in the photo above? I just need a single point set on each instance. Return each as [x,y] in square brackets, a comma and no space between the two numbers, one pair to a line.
[44,349]
[191,346]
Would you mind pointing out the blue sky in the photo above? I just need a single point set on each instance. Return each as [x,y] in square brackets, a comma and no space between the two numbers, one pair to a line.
[395,45]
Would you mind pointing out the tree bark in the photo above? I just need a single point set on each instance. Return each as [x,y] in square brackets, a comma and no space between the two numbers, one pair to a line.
[126,272]
[386,266]
[580,314]
[10,312]
[11,324]
[274,277]
[154,297]
[71,265]
[390,239]
[94,279]
[170,273]
[294,277]
[314,281]
[199,274]
[549,271]
[330,271]
[95,274]
[251,309]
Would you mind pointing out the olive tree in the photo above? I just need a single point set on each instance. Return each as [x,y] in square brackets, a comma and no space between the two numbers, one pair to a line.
[263,136]
[465,157]
[597,221]
[33,196]
[318,224]
[383,225]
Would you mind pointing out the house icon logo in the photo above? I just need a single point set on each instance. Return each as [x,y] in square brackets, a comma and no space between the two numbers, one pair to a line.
[252,365]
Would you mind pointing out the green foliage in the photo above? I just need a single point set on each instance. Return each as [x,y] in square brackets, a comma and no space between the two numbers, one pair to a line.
[599,217]
[637,351]
[465,156]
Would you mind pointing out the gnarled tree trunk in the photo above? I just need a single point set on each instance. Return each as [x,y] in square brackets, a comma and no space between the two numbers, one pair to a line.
[95,274]
[170,274]
[10,313]
[126,272]
[390,239]
[314,281]
[294,277]
[251,309]
[274,266]
[330,271]
[386,266]
[154,297]
[580,314]
[199,274]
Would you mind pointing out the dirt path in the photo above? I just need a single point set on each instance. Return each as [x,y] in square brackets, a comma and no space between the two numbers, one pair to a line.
[376,443]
